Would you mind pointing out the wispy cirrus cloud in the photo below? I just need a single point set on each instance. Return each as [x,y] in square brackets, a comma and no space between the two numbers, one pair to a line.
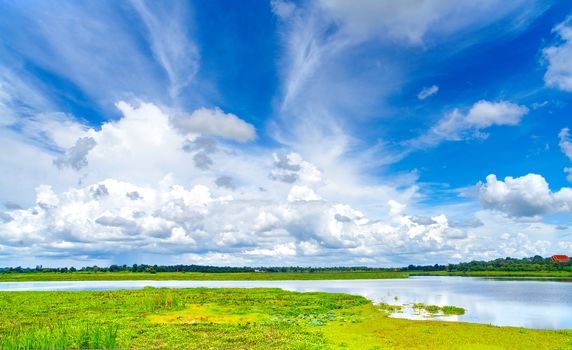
[168,35]
[427,92]
[98,54]
[565,143]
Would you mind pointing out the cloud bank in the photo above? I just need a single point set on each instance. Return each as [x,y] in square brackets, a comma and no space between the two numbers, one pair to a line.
[261,208]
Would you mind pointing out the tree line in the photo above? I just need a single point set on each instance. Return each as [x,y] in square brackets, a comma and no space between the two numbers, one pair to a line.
[536,263]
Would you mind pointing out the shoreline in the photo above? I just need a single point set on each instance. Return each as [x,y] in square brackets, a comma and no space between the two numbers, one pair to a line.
[268,276]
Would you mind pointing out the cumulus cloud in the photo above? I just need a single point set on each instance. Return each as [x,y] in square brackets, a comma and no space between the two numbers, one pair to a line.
[175,220]
[290,167]
[75,157]
[456,126]
[302,193]
[427,92]
[144,197]
[484,114]
[216,123]
[559,70]
[280,250]
[194,225]
[528,196]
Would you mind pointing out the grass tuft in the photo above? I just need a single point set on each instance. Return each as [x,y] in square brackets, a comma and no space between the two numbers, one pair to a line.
[80,335]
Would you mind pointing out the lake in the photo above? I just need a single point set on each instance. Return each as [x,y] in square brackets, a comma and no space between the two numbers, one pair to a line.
[541,304]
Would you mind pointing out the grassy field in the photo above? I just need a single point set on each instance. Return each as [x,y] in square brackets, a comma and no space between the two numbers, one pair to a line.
[260,276]
[237,319]
[553,274]
[199,276]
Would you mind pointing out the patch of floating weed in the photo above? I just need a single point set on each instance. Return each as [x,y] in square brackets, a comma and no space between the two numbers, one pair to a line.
[435,310]
[389,309]
[453,310]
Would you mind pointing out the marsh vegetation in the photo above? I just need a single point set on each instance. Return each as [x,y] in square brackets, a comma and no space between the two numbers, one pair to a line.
[201,318]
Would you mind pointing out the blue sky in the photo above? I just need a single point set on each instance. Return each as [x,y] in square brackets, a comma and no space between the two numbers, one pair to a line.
[276,132]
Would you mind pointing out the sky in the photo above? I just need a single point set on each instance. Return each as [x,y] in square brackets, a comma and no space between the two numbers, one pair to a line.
[275,132]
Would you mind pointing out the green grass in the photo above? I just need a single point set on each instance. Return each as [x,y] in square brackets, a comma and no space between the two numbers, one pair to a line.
[62,336]
[260,276]
[554,274]
[202,318]
[198,276]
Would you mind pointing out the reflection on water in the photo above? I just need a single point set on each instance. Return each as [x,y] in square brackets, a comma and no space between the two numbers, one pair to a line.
[525,302]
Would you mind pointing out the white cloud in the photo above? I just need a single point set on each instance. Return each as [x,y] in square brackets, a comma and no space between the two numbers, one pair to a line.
[290,167]
[566,147]
[89,45]
[331,92]
[175,220]
[484,114]
[75,157]
[567,246]
[180,225]
[457,126]
[412,21]
[526,196]
[172,48]
[568,172]
[565,142]
[427,91]
[302,193]
[217,123]
[280,250]
[282,9]
[188,212]
[559,71]
[142,197]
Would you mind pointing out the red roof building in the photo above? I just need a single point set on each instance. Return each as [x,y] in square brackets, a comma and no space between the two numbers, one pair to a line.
[560,258]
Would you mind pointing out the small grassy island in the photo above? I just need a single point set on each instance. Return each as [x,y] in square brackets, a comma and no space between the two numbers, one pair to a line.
[201,318]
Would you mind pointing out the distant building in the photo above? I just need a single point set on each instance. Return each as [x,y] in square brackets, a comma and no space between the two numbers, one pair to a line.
[561,258]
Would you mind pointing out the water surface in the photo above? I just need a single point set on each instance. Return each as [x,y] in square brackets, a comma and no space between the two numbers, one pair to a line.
[541,304]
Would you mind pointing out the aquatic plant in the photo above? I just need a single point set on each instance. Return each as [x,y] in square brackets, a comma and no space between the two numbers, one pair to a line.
[453,310]
[388,308]
[436,310]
